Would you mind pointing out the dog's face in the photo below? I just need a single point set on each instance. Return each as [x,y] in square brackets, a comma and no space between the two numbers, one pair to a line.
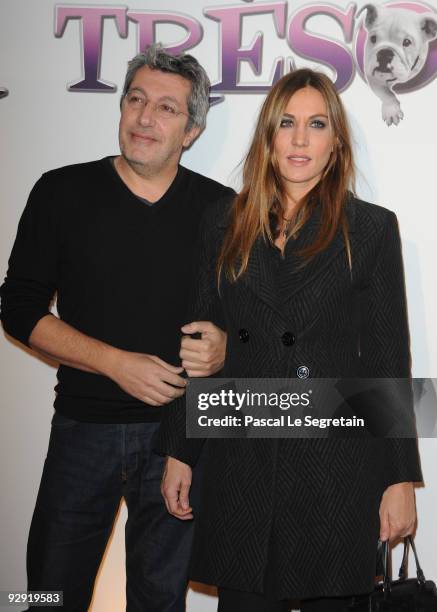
[397,43]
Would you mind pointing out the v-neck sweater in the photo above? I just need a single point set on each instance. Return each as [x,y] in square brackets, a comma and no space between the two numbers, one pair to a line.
[123,273]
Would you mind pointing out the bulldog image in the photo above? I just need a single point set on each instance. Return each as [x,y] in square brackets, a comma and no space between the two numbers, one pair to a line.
[396,50]
[3,92]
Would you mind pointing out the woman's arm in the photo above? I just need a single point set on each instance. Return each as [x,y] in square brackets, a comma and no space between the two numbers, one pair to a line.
[385,353]
[205,306]
[182,453]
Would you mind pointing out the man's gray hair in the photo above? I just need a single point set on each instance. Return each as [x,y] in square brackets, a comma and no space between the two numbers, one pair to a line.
[185,66]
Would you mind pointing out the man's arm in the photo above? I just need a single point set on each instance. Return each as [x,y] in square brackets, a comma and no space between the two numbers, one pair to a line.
[32,279]
[31,282]
[133,372]
[145,377]
[57,340]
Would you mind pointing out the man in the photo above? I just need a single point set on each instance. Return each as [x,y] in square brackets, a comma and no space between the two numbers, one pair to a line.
[115,239]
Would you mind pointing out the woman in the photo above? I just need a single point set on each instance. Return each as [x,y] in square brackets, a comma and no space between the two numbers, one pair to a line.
[307,281]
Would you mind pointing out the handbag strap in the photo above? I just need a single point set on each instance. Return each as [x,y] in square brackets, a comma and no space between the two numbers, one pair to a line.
[403,569]
[386,583]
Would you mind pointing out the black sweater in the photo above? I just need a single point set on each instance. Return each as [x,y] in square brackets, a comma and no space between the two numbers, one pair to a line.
[122,271]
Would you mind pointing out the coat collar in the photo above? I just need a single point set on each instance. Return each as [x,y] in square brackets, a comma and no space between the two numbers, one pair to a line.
[350,209]
[261,274]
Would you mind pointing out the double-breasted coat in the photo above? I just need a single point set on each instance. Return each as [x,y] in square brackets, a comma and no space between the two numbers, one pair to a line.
[298,518]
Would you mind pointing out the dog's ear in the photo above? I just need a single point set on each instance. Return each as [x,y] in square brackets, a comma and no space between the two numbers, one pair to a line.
[371,14]
[428,25]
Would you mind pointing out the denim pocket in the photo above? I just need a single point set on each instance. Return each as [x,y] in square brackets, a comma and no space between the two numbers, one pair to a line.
[59,421]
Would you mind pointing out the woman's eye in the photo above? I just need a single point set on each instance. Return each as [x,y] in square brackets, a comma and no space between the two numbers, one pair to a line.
[286,123]
[317,123]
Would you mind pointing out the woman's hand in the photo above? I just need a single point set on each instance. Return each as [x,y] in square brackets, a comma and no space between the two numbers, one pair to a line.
[397,511]
[175,487]
[206,356]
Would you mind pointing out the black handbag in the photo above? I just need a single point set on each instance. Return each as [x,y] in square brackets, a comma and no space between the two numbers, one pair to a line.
[402,595]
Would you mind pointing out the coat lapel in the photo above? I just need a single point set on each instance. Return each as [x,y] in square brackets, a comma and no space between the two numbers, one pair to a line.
[261,276]
[298,275]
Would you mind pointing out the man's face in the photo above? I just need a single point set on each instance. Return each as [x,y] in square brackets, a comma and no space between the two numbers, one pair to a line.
[154,116]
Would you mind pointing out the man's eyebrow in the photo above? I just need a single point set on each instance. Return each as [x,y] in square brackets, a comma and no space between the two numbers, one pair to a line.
[136,89]
[169,98]
[310,117]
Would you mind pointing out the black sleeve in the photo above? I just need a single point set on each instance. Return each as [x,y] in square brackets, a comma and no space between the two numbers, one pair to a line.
[384,343]
[205,306]
[32,275]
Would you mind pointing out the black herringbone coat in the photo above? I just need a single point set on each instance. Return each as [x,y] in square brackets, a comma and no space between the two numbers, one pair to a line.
[299,518]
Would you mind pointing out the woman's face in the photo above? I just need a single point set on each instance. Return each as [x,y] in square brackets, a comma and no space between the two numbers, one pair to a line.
[304,142]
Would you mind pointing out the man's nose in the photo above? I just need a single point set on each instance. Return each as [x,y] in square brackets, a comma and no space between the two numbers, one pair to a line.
[147,114]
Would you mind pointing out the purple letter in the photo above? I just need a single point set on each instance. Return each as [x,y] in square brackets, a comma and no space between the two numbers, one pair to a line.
[326,51]
[230,19]
[92,28]
[147,24]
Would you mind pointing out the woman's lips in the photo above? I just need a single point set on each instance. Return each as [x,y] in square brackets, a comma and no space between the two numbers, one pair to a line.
[299,160]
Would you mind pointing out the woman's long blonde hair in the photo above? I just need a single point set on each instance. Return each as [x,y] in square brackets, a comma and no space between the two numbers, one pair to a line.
[263,191]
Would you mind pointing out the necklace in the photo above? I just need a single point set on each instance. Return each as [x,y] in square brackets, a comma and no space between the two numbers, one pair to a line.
[286,228]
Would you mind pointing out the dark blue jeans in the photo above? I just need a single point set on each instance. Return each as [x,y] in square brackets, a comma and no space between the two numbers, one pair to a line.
[239,601]
[88,469]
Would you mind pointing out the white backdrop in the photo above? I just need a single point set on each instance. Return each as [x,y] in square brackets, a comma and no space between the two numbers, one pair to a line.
[43,125]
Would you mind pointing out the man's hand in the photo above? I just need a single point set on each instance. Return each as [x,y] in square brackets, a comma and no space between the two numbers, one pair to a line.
[205,356]
[397,511]
[147,377]
[175,487]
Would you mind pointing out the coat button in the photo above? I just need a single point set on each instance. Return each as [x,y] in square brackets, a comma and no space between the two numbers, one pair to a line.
[303,372]
[288,339]
[244,335]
